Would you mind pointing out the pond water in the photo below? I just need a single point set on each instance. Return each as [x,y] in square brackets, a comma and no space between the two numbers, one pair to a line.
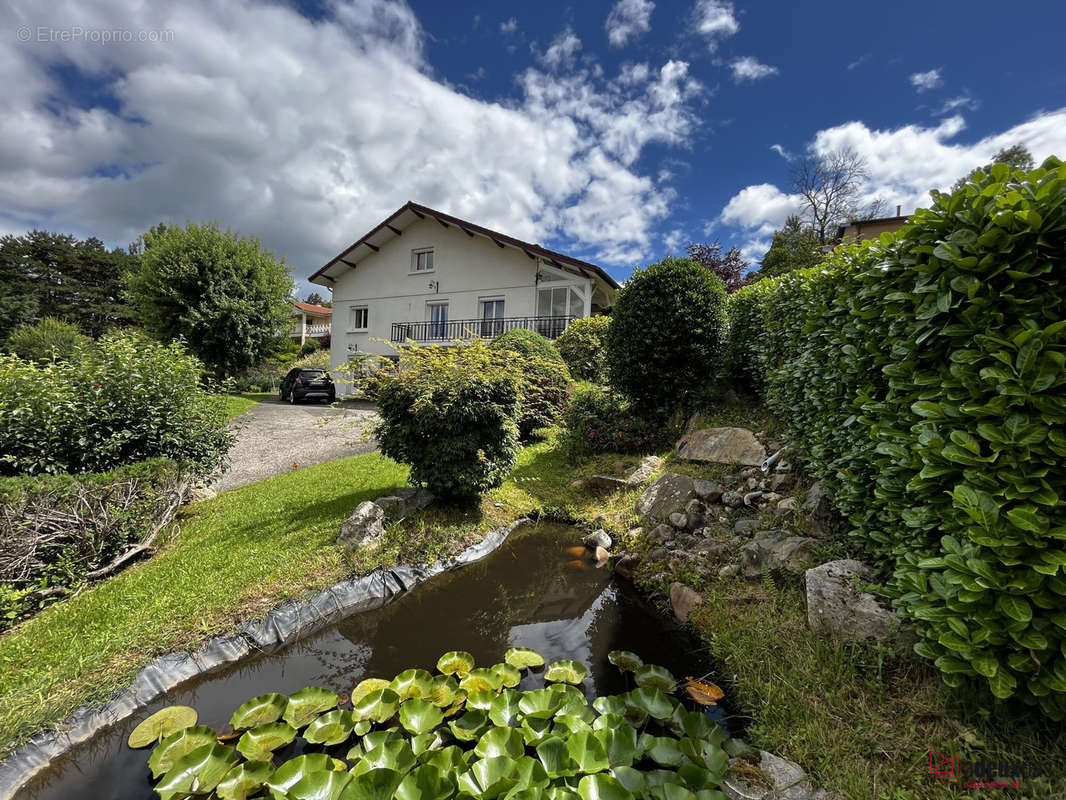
[538,590]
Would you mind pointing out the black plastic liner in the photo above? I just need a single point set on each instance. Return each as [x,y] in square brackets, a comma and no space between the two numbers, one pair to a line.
[284,625]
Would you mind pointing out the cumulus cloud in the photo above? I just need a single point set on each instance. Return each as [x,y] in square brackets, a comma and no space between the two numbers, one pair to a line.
[674,241]
[750,68]
[715,20]
[562,49]
[760,207]
[924,81]
[627,20]
[308,133]
[509,25]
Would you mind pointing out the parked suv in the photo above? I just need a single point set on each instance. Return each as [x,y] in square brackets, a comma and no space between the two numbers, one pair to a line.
[307,384]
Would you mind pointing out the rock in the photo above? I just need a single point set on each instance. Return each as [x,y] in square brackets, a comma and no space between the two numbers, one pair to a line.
[779,482]
[786,509]
[746,527]
[577,484]
[199,493]
[598,539]
[721,446]
[769,550]
[602,555]
[404,502]
[695,515]
[838,610]
[668,495]
[606,483]
[731,480]
[729,571]
[661,534]
[365,526]
[627,565]
[818,507]
[679,519]
[648,466]
[787,778]
[732,499]
[716,552]
[683,599]
[620,467]
[708,491]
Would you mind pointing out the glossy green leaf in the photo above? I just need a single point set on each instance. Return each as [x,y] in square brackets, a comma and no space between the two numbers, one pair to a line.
[197,772]
[566,671]
[244,780]
[306,704]
[457,662]
[523,658]
[160,725]
[260,742]
[420,716]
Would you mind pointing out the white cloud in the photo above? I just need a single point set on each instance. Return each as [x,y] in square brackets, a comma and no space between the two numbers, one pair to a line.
[674,241]
[923,81]
[562,50]
[627,20]
[308,133]
[762,207]
[715,20]
[509,26]
[964,102]
[781,151]
[858,62]
[749,68]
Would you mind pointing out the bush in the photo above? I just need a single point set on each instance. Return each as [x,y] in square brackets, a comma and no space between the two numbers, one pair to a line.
[57,530]
[309,346]
[451,414]
[545,387]
[127,398]
[583,348]
[924,376]
[741,357]
[599,420]
[46,339]
[665,335]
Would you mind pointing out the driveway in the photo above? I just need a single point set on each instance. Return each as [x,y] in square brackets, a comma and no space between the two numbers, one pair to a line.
[273,436]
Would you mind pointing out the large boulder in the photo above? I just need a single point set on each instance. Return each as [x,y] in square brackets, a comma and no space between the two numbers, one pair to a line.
[838,610]
[636,478]
[787,779]
[404,502]
[364,527]
[721,446]
[772,550]
[668,495]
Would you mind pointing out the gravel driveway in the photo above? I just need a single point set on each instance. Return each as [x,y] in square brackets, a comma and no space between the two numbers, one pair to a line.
[272,436]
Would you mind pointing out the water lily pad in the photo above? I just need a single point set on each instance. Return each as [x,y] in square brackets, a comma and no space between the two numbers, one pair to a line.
[457,662]
[244,780]
[489,777]
[176,746]
[481,699]
[609,721]
[260,742]
[555,757]
[481,679]
[499,741]
[395,754]
[291,772]
[161,724]
[651,702]
[587,751]
[319,786]
[503,710]
[449,760]
[566,671]
[540,703]
[536,730]
[426,782]
[632,780]
[412,683]
[198,772]
[523,658]
[620,744]
[470,726]
[443,692]
[377,784]
[509,676]
[567,724]
[366,686]
[625,660]
[378,738]
[601,787]
[259,711]
[651,676]
[308,703]
[663,750]
[377,706]
[332,728]
[420,716]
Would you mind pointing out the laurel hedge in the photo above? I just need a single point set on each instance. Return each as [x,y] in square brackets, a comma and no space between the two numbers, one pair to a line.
[923,376]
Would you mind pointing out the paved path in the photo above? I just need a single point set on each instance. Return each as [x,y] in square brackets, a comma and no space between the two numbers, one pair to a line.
[272,436]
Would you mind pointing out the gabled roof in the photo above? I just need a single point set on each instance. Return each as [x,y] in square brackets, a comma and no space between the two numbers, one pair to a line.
[411,212]
[311,308]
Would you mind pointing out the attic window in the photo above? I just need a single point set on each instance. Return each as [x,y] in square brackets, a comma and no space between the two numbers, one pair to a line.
[422,260]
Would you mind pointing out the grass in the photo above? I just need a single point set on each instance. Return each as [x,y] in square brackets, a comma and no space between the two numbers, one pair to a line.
[239,402]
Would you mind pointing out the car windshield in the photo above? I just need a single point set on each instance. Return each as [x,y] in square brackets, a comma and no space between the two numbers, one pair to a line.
[311,373]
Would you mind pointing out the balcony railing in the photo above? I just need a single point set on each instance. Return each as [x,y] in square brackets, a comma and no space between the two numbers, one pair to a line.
[311,331]
[549,327]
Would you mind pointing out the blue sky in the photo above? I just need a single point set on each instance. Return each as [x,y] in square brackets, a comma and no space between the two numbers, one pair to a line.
[615,131]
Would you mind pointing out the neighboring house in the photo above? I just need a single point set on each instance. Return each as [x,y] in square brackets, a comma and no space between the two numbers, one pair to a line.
[426,276]
[861,229]
[310,321]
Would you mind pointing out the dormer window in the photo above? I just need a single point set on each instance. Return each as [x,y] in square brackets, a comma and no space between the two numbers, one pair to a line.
[422,260]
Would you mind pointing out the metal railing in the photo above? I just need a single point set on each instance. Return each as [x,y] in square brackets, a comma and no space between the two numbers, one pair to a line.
[446,331]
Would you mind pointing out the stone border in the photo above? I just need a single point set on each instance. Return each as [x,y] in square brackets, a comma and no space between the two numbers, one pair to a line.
[283,625]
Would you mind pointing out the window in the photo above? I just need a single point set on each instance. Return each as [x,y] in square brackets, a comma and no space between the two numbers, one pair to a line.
[358,318]
[422,260]
[491,317]
[555,305]
[437,316]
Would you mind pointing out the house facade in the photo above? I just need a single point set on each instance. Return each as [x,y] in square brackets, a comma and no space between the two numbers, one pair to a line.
[862,229]
[310,322]
[428,277]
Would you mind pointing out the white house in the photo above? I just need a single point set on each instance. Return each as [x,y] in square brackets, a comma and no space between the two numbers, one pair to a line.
[426,276]
[310,321]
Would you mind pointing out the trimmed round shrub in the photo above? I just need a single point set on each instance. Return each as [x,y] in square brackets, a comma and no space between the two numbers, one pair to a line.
[599,420]
[583,347]
[47,339]
[127,398]
[309,346]
[545,387]
[450,413]
[665,335]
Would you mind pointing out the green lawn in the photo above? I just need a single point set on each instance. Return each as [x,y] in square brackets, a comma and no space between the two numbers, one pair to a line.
[239,402]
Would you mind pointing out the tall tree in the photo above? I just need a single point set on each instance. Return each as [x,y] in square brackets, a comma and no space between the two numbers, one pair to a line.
[225,295]
[831,187]
[1016,156]
[730,266]
[316,299]
[795,246]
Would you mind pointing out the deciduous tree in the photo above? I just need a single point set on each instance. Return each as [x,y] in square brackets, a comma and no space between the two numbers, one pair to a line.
[730,266]
[831,187]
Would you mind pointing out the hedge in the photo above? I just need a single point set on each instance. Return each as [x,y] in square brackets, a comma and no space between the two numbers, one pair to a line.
[923,376]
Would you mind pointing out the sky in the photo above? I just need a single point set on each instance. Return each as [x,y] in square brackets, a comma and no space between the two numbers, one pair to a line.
[614,131]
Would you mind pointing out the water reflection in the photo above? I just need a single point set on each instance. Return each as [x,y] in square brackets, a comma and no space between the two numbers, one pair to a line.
[532,592]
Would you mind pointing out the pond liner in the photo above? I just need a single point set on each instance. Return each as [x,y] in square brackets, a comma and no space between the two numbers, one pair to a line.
[282,626]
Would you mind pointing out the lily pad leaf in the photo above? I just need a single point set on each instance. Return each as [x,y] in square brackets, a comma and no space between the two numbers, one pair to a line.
[420,716]
[632,780]
[509,675]
[523,658]
[377,784]
[555,757]
[651,702]
[503,710]
[489,777]
[366,686]
[587,751]
[244,780]
[412,683]
[378,706]
[294,770]
[161,724]
[177,745]
[625,660]
[481,679]
[663,750]
[308,703]
[198,772]
[651,676]
[499,741]
[395,754]
[427,782]
[602,787]
[319,786]
[457,662]
[566,671]
[331,728]
[259,711]
[540,703]
[470,726]
[443,692]
[260,742]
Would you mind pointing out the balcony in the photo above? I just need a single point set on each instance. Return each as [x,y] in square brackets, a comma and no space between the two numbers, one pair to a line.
[310,330]
[464,329]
